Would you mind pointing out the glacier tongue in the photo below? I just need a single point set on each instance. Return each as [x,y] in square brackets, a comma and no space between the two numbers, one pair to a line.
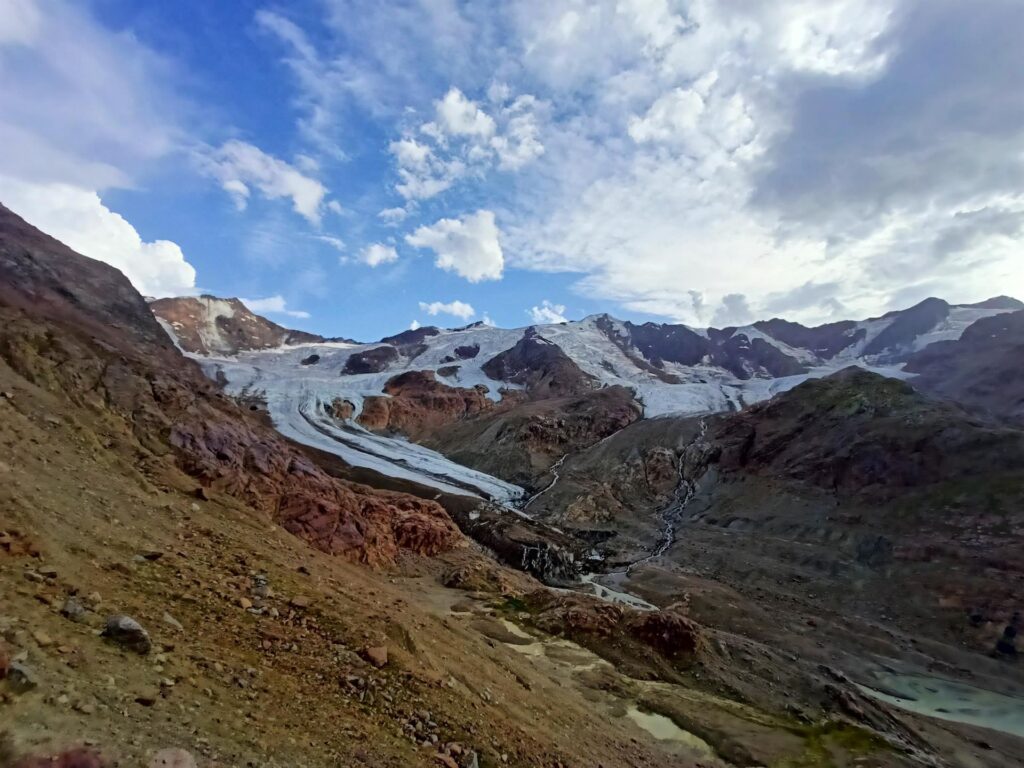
[297,401]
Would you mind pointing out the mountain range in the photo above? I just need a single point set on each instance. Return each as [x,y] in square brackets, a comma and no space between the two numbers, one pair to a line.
[592,542]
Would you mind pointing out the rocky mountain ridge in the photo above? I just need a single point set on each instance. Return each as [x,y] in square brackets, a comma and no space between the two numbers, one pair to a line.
[361,401]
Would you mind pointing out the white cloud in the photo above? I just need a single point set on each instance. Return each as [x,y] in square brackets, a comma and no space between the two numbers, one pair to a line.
[463,141]
[393,216]
[275,305]
[455,308]
[239,166]
[335,242]
[78,218]
[458,116]
[414,325]
[469,246]
[547,313]
[376,254]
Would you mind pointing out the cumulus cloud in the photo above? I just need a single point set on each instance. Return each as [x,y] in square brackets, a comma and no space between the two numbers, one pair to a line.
[547,313]
[378,253]
[458,116]
[455,308]
[469,246]
[239,166]
[78,218]
[414,325]
[464,140]
[274,305]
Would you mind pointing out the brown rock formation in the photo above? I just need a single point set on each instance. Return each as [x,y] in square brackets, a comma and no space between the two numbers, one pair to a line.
[208,325]
[521,443]
[415,404]
[617,631]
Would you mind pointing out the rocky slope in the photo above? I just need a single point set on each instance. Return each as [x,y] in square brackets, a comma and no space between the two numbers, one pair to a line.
[523,441]
[853,490]
[982,369]
[207,325]
[77,326]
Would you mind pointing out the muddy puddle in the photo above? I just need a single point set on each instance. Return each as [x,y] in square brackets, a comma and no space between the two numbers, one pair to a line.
[949,700]
[664,729]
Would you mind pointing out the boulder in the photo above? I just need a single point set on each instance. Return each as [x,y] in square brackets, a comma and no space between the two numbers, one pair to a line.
[128,633]
[377,655]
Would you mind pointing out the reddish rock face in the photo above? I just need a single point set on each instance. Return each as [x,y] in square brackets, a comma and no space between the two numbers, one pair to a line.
[209,325]
[417,404]
[169,409]
[668,632]
[343,518]
[601,625]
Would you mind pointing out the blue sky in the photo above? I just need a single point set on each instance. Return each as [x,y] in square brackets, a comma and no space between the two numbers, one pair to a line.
[353,168]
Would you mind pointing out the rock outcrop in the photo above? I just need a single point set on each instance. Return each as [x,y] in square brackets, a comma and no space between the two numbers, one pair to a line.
[541,367]
[372,360]
[208,325]
[416,404]
[618,632]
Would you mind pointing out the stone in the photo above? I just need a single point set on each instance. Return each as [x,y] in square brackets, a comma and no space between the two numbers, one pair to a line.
[301,601]
[20,678]
[42,639]
[73,609]
[377,655]
[172,622]
[48,572]
[245,603]
[128,633]
[172,758]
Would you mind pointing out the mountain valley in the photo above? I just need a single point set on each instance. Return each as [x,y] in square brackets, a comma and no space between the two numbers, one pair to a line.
[577,544]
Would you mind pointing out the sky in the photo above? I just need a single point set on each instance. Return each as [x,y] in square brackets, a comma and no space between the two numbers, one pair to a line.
[356,168]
